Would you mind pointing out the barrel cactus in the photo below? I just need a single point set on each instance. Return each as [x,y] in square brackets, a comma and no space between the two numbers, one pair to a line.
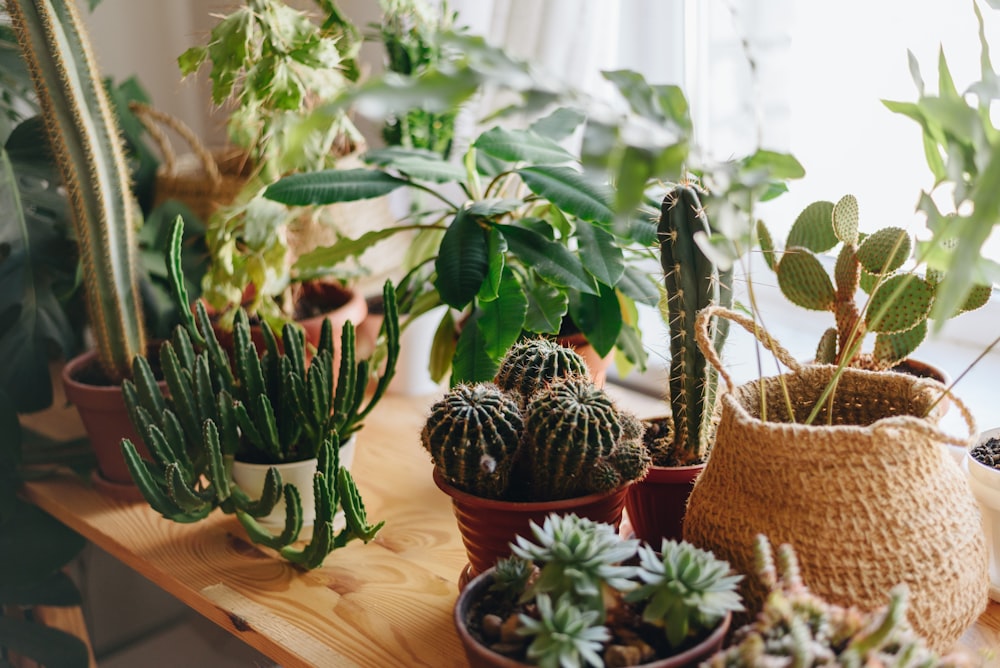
[532,363]
[691,281]
[898,303]
[473,434]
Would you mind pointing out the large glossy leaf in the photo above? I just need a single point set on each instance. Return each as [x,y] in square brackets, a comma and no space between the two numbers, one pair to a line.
[472,364]
[604,258]
[443,347]
[553,261]
[463,262]
[598,317]
[502,318]
[416,164]
[332,185]
[521,146]
[497,253]
[560,124]
[571,191]
[547,305]
[48,646]
[319,261]
[639,286]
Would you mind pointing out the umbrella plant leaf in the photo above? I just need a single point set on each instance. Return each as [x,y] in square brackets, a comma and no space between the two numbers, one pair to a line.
[571,191]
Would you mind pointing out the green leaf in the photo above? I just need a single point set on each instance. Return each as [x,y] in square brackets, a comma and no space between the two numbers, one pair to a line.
[560,124]
[48,646]
[493,207]
[322,260]
[521,146]
[416,164]
[813,229]
[462,263]
[472,364]
[547,305]
[639,286]
[553,261]
[639,94]
[501,320]
[497,255]
[598,317]
[571,191]
[604,258]
[443,347]
[332,185]
[776,165]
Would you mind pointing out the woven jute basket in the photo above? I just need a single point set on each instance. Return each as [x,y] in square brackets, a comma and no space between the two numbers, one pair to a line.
[202,180]
[867,494]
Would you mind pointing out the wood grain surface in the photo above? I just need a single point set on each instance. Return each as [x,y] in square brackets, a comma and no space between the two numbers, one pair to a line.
[388,603]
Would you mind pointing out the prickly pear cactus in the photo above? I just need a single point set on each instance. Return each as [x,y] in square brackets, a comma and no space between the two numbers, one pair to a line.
[473,434]
[692,281]
[531,364]
[898,303]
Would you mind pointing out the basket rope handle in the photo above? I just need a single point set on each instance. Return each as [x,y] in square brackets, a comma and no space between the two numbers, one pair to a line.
[152,118]
[708,349]
[930,430]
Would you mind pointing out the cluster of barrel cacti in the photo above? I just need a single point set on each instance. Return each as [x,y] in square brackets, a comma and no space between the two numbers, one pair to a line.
[540,430]
[798,628]
[898,301]
[270,408]
[691,281]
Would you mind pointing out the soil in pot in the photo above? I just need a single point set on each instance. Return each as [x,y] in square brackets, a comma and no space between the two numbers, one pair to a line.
[486,628]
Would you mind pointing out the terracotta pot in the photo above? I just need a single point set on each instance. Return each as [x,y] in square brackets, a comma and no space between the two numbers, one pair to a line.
[105,419]
[480,656]
[598,365]
[656,504]
[488,526]
[251,477]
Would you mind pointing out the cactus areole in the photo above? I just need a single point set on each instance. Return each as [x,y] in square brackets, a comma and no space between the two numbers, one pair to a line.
[87,146]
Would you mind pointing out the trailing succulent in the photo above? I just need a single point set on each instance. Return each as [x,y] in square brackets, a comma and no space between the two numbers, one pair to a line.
[580,594]
[541,430]
[796,627]
[691,282]
[269,409]
[898,305]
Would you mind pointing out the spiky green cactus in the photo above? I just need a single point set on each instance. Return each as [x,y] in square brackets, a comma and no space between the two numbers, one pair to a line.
[898,305]
[796,627]
[532,363]
[569,426]
[87,147]
[266,409]
[691,282]
[473,434]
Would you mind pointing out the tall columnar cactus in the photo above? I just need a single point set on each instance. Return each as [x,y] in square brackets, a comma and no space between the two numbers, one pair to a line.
[88,149]
[691,282]
[796,627]
[570,426]
[532,363]
[268,409]
[898,305]
[473,434]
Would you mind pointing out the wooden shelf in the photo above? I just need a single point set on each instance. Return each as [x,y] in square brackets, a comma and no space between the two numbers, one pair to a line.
[388,603]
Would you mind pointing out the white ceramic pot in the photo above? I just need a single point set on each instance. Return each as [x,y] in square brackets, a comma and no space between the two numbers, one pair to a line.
[985,483]
[250,478]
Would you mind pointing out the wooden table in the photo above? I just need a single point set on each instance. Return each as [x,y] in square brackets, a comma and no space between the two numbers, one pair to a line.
[388,603]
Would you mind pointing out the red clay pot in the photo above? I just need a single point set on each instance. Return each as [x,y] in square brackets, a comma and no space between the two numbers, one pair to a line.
[105,419]
[488,526]
[656,504]
[480,656]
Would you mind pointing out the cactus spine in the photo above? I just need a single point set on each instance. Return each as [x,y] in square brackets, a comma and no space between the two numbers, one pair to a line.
[472,435]
[87,146]
[691,282]
[532,363]
[899,303]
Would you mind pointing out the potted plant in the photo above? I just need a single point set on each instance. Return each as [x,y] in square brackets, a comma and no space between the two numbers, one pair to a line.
[85,141]
[982,461]
[276,410]
[542,438]
[271,64]
[581,595]
[797,625]
[898,303]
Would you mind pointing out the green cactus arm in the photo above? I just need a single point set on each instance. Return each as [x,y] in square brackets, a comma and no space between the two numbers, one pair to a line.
[87,146]
[160,448]
[156,497]
[803,280]
[218,472]
[390,329]
[137,414]
[826,350]
[180,384]
[813,228]
[248,368]
[218,360]
[898,304]
[766,243]
[269,496]
[328,458]
[891,349]
[346,374]
[320,399]
[229,428]
[148,390]
[295,351]
[350,422]
[845,219]
[175,277]
[885,251]
[189,500]
[248,428]
[173,432]
[204,393]
[182,348]
[293,522]
[264,420]
[354,509]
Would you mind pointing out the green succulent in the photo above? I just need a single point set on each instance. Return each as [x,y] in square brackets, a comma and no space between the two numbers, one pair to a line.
[898,305]
[563,635]
[796,627]
[686,590]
